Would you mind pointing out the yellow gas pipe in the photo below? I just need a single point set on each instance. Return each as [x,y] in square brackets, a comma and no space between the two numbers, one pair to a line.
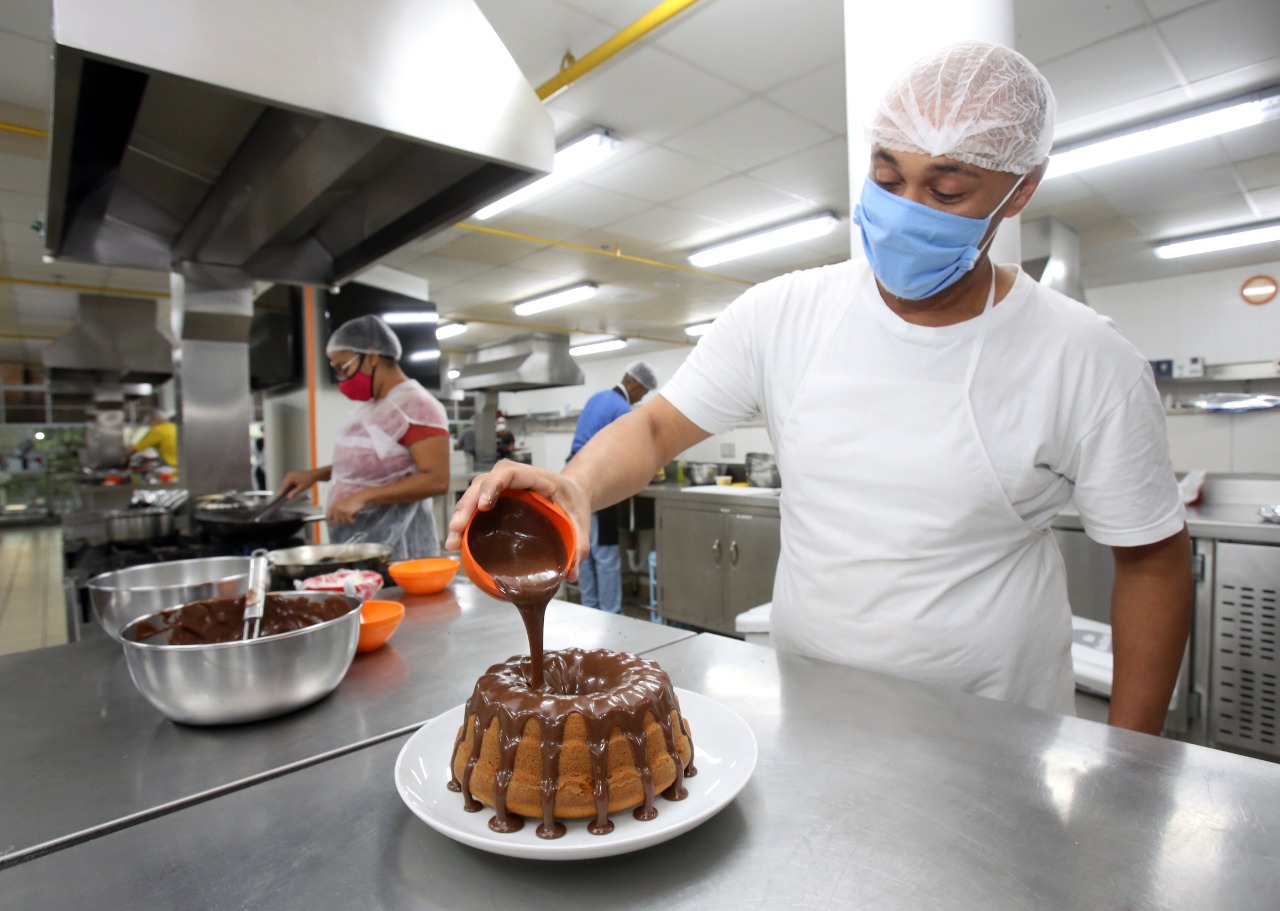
[624,39]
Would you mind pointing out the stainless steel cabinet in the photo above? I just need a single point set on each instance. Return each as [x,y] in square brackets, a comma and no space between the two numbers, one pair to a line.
[714,562]
[1244,689]
[1091,576]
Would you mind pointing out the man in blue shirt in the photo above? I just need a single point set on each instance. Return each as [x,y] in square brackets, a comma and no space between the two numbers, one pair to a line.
[600,575]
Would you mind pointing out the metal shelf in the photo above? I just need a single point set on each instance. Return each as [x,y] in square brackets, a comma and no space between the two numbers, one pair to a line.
[1242,370]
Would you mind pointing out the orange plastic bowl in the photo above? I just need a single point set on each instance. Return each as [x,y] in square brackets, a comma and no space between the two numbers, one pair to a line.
[378,620]
[426,576]
[564,527]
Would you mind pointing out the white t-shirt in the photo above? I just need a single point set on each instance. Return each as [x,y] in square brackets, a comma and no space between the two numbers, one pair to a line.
[1065,407]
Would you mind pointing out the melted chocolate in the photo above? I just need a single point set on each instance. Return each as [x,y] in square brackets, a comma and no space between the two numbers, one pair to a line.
[222,619]
[608,690]
[520,548]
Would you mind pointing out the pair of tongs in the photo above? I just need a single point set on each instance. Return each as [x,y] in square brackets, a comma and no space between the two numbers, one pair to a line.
[269,510]
[256,596]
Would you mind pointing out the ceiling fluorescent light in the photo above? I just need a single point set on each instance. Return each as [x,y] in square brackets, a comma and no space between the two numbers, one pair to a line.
[1167,135]
[418,356]
[791,233]
[697,329]
[454,373]
[561,298]
[612,344]
[407,317]
[1248,237]
[578,157]
[449,330]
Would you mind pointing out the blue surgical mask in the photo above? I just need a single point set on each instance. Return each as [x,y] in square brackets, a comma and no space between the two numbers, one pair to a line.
[916,251]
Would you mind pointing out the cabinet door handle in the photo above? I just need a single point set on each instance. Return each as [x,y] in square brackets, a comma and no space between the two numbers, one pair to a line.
[733,552]
[715,549]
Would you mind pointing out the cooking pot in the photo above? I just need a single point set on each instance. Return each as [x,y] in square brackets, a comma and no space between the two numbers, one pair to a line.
[293,564]
[698,473]
[138,524]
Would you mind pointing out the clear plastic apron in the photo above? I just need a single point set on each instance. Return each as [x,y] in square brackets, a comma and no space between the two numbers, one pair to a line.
[367,457]
[901,552]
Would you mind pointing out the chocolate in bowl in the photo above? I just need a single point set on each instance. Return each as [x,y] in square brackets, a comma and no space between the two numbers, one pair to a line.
[240,680]
[222,619]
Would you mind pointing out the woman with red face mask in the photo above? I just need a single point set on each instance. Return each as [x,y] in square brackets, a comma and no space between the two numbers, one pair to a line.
[392,453]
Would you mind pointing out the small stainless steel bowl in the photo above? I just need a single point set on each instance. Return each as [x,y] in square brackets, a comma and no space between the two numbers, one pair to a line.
[234,682]
[120,597]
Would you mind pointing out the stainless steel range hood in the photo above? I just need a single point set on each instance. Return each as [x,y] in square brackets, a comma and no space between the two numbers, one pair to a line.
[282,141]
[538,360]
[115,341]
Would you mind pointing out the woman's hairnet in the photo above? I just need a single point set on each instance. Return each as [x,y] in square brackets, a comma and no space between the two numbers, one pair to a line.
[365,334]
[983,104]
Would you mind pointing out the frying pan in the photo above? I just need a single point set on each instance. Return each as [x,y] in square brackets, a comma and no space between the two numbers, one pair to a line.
[230,517]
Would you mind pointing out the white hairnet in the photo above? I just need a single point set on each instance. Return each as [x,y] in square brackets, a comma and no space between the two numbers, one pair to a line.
[643,374]
[367,335]
[978,103]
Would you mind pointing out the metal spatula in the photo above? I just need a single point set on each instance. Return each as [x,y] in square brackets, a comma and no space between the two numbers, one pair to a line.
[256,596]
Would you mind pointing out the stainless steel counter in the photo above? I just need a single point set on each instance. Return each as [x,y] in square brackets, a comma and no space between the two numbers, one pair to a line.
[1226,521]
[83,752]
[870,792]
[710,493]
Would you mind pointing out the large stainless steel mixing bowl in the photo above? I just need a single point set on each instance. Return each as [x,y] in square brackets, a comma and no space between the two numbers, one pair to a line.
[233,682]
[120,597]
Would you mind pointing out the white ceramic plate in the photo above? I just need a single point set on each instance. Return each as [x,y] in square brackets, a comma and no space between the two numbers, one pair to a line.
[724,755]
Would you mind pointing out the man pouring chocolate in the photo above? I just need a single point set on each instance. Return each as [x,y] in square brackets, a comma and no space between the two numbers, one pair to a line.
[931,414]
[392,452]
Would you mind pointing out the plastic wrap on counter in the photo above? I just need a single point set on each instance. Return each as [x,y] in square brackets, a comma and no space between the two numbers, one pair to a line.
[358,583]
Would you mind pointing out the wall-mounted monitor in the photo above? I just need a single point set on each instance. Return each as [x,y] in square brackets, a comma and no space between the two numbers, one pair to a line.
[413,320]
[276,349]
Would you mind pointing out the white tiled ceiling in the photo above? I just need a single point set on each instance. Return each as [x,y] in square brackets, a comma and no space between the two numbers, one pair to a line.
[731,117]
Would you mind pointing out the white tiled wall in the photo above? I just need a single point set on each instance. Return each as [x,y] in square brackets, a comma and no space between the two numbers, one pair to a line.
[549,449]
[1204,315]
[1200,314]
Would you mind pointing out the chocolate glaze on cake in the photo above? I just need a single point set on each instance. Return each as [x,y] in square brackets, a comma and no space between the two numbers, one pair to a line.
[521,551]
[222,619]
[608,690]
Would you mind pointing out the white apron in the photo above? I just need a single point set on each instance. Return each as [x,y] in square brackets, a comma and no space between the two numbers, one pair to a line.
[901,552]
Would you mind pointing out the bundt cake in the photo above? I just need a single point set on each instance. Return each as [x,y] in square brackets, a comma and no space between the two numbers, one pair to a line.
[603,734]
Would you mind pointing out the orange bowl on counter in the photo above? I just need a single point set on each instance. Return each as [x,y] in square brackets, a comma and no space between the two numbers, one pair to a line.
[425,576]
[378,620]
[478,525]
